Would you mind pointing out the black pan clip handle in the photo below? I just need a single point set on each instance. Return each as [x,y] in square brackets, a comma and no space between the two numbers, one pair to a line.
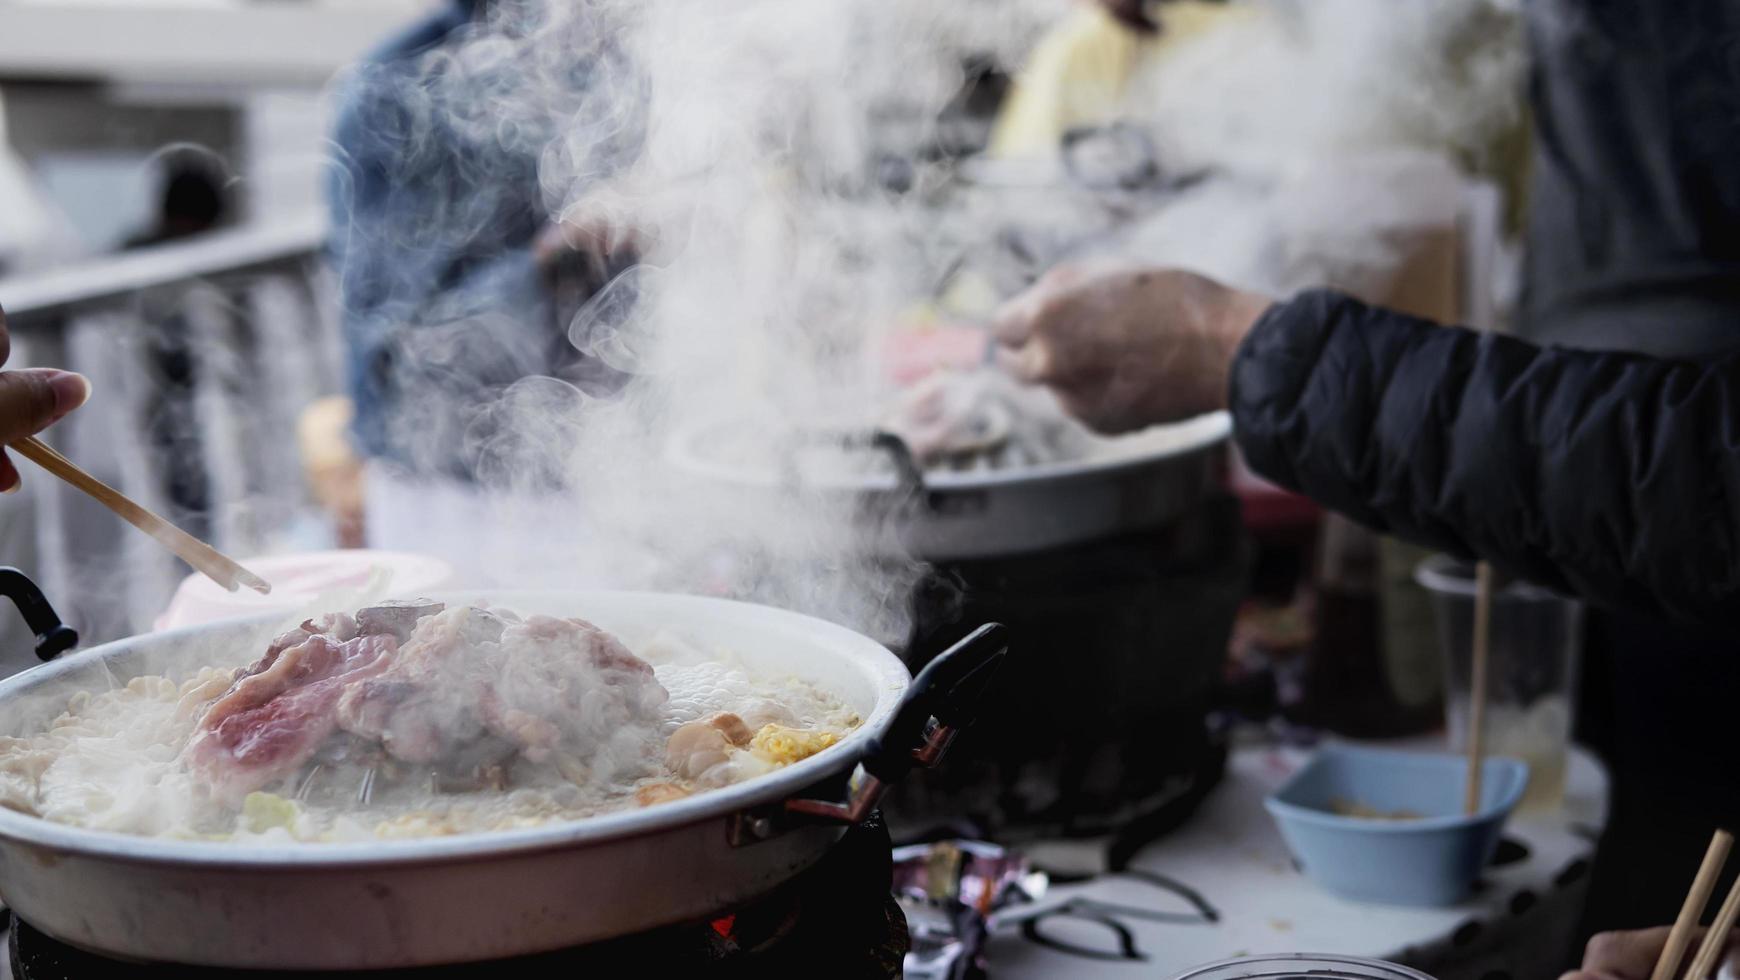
[942,700]
[906,467]
[53,637]
[947,692]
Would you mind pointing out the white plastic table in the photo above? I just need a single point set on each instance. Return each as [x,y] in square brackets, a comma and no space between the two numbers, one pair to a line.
[1519,924]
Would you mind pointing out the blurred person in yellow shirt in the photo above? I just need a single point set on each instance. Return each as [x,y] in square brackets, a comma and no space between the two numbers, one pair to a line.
[1078,74]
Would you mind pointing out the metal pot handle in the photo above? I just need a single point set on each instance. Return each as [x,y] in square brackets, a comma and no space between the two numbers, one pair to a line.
[906,468]
[942,700]
[909,476]
[53,637]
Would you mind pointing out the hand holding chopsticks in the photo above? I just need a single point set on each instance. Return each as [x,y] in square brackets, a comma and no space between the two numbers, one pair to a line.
[1686,926]
[1716,940]
[34,399]
[1657,953]
[30,401]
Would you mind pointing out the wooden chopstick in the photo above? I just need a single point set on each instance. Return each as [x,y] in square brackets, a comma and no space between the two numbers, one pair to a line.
[1716,940]
[1681,935]
[203,557]
[1477,688]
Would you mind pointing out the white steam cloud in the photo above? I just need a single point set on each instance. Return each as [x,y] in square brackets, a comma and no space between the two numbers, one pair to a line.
[741,147]
[738,146]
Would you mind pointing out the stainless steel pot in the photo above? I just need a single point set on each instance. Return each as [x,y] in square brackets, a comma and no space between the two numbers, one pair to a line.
[1128,483]
[485,896]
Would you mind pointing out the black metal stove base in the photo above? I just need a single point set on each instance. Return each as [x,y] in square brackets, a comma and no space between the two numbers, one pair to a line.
[1097,724]
[837,920]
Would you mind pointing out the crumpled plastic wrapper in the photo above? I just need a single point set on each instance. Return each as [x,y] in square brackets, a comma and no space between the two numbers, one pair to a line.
[950,891]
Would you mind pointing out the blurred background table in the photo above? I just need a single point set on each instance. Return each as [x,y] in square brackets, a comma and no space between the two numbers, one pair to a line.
[1521,923]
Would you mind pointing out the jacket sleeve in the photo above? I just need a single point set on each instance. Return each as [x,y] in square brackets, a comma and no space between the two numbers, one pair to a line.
[1614,477]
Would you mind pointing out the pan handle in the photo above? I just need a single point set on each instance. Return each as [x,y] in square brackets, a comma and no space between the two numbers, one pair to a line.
[947,691]
[942,700]
[909,475]
[53,637]
[906,468]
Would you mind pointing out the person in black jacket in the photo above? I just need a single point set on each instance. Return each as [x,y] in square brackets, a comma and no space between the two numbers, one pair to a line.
[1612,476]
[1604,466]
[1609,475]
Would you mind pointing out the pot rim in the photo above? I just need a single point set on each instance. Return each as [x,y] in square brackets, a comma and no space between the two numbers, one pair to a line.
[1288,965]
[888,675]
[1117,454]
[1441,574]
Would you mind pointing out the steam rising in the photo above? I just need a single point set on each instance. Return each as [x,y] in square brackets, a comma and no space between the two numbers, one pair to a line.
[741,148]
[1333,136]
[737,148]
[1311,80]
[737,145]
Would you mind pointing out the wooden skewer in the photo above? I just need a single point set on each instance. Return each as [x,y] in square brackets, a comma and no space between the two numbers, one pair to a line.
[203,557]
[1477,687]
[1716,940]
[1681,935]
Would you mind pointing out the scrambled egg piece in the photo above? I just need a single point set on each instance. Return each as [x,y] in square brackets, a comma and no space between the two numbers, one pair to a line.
[783,746]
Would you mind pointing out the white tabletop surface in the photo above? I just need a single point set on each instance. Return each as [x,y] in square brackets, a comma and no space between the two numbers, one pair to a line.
[1231,854]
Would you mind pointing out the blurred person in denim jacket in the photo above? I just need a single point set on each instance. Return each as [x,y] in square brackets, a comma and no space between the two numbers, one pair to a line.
[456,280]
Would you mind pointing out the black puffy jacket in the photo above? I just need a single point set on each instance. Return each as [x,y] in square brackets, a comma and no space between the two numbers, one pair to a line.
[1607,475]
[1612,476]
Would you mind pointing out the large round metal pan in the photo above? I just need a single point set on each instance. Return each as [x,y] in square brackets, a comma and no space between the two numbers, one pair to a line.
[442,900]
[1127,483]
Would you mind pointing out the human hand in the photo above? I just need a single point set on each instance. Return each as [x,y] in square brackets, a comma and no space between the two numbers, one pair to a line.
[579,256]
[1128,348]
[31,400]
[1629,955]
[585,238]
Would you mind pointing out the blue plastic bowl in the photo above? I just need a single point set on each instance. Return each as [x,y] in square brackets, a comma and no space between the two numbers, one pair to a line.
[1431,861]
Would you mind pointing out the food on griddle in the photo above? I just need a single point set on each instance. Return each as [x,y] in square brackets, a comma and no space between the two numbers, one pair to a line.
[652,794]
[712,751]
[783,746]
[412,719]
[279,711]
[700,750]
[463,691]
[982,418]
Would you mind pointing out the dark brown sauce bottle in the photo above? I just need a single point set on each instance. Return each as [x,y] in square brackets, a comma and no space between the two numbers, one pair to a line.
[1351,682]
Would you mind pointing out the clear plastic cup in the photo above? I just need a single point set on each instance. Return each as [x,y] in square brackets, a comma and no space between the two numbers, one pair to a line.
[1531,671]
[1302,966]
